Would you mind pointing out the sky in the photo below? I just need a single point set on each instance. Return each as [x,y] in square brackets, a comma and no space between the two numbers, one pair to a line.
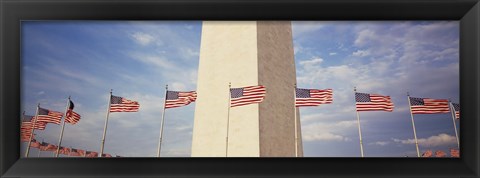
[85,59]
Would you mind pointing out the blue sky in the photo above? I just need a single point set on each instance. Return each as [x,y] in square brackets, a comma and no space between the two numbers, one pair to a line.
[85,59]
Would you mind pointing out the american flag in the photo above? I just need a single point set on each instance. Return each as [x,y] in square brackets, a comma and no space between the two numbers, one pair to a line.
[91,154]
[43,146]
[27,123]
[440,153]
[25,135]
[456,108]
[454,153]
[71,116]
[119,104]
[64,150]
[427,153]
[48,147]
[373,102]
[80,152]
[35,144]
[312,97]
[179,98]
[47,116]
[74,152]
[428,106]
[247,95]
[106,155]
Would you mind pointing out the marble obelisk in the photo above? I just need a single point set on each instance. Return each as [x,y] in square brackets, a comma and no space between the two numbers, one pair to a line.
[246,53]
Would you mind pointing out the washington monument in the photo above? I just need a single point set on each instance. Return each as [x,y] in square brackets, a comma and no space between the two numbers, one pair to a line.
[246,53]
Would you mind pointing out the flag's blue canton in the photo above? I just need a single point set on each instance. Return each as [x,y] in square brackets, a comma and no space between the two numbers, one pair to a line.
[42,111]
[116,100]
[456,106]
[302,93]
[416,101]
[236,92]
[44,144]
[71,105]
[27,118]
[362,97]
[172,95]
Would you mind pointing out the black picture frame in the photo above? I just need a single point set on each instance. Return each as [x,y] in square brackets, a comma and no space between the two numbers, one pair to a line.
[14,11]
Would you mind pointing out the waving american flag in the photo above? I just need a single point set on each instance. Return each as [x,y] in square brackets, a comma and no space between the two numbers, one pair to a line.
[312,97]
[119,104]
[373,102]
[428,106]
[247,95]
[179,98]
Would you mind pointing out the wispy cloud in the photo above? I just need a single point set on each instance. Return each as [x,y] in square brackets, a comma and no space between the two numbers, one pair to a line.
[360,53]
[322,131]
[380,143]
[433,141]
[143,38]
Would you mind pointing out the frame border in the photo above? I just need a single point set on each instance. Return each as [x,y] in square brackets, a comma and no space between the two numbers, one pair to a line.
[12,12]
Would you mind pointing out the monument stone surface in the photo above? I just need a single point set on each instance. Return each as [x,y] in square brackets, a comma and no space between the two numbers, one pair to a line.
[246,53]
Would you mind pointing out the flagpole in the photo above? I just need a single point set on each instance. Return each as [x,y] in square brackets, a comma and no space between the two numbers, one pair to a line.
[31,134]
[63,127]
[38,156]
[163,122]
[295,120]
[358,123]
[106,122]
[413,125]
[452,110]
[228,115]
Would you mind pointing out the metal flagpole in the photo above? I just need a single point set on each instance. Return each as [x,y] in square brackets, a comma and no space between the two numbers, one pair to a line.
[358,123]
[106,122]
[31,134]
[452,110]
[295,120]
[228,115]
[38,155]
[413,125]
[63,127]
[163,122]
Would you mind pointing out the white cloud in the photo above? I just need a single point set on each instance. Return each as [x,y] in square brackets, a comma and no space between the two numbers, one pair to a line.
[156,60]
[178,86]
[380,143]
[311,62]
[332,54]
[143,38]
[360,53]
[437,140]
[326,136]
[365,36]
[189,53]
[326,131]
